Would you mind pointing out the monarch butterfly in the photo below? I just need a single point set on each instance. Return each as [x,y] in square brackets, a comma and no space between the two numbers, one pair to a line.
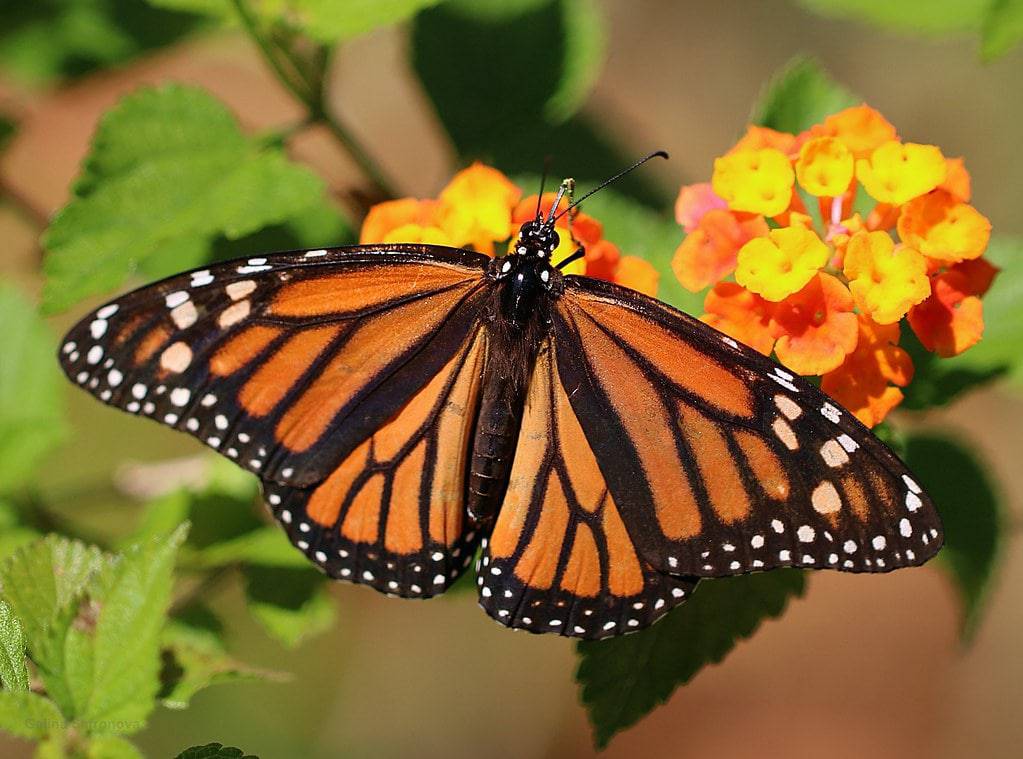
[409,406]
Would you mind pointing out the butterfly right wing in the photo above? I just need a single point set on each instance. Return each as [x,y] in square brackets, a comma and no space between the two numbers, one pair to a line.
[559,558]
[392,513]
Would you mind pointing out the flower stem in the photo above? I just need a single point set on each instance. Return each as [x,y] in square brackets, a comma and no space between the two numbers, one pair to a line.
[308,89]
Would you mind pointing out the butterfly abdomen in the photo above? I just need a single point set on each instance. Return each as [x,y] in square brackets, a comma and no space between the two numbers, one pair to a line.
[497,434]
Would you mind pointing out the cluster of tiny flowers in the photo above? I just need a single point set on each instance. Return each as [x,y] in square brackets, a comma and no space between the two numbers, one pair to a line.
[482,209]
[793,269]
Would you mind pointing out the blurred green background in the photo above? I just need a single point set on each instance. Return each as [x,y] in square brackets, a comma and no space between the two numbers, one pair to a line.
[862,665]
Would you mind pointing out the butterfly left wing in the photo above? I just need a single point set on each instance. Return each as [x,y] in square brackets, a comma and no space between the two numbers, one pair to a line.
[559,558]
[720,461]
[391,515]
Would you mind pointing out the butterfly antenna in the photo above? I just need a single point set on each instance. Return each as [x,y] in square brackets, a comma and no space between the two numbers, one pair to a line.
[606,182]
[551,218]
[543,181]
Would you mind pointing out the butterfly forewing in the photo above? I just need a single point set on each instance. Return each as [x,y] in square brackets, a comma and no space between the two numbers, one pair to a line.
[392,513]
[560,558]
[721,461]
[284,364]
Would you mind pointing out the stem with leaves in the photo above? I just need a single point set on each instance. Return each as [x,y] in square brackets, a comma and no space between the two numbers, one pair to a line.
[305,77]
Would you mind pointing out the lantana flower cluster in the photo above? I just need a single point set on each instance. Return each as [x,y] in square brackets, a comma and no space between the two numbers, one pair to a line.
[482,209]
[815,247]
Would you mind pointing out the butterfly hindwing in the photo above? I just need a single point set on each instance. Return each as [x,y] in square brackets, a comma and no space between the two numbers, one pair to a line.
[286,363]
[559,558]
[721,461]
[392,514]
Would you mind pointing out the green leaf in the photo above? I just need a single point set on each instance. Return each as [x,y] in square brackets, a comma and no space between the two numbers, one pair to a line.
[194,658]
[1003,28]
[116,638]
[13,672]
[14,533]
[31,390]
[653,236]
[521,105]
[798,96]
[169,172]
[625,677]
[937,381]
[291,604]
[914,16]
[28,715]
[43,583]
[330,21]
[971,512]
[49,39]
[112,747]
[214,751]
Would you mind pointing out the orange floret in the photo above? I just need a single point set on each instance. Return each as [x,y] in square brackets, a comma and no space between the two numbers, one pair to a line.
[957,180]
[741,315]
[781,263]
[694,200]
[637,273]
[708,254]
[952,319]
[817,326]
[941,227]
[898,172]
[418,233]
[864,382]
[758,137]
[477,207]
[860,128]
[824,167]
[602,260]
[885,281]
[384,218]
[755,181]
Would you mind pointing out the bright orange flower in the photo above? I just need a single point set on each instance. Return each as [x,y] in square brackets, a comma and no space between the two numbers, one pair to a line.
[780,264]
[817,325]
[758,138]
[418,234]
[755,181]
[957,180]
[742,315]
[476,207]
[694,200]
[863,383]
[885,281]
[941,227]
[860,128]
[637,273]
[824,167]
[898,172]
[708,253]
[952,319]
[384,218]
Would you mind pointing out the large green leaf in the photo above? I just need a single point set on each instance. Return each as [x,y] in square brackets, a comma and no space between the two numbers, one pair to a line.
[43,583]
[291,604]
[13,672]
[115,642]
[169,172]
[28,715]
[31,390]
[798,96]
[623,678]
[48,39]
[513,109]
[971,513]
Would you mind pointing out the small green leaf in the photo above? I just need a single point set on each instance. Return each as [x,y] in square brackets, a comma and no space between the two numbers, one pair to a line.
[13,672]
[623,678]
[971,513]
[330,21]
[31,390]
[112,747]
[1003,28]
[28,715]
[798,96]
[291,604]
[214,751]
[115,638]
[43,582]
[914,16]
[168,173]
